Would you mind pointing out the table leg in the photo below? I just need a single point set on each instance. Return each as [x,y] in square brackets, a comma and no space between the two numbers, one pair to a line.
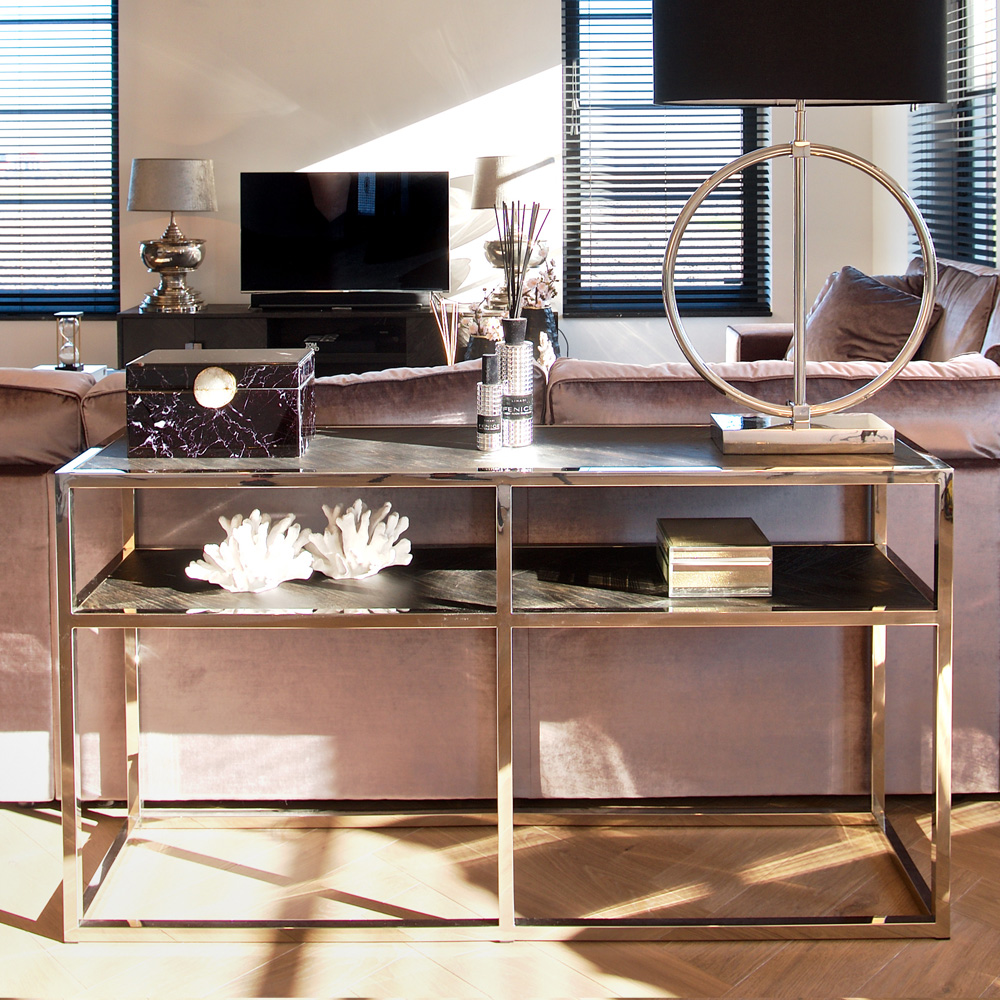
[505,776]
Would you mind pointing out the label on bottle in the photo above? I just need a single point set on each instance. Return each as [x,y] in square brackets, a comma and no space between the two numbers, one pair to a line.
[518,407]
[489,423]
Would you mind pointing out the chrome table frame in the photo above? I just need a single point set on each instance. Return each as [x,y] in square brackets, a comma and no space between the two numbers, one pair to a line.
[561,457]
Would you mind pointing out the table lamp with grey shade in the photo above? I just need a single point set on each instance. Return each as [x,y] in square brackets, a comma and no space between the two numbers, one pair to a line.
[799,52]
[499,179]
[172,185]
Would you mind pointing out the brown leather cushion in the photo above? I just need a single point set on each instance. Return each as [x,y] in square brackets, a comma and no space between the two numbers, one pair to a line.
[860,318]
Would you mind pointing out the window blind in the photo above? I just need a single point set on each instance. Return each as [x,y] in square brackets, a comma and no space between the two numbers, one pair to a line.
[629,167]
[58,157]
[953,145]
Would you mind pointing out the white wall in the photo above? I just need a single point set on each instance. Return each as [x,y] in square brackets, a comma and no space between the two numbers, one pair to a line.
[291,84]
[892,232]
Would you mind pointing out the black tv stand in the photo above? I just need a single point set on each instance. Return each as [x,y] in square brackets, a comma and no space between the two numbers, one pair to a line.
[347,340]
[388,302]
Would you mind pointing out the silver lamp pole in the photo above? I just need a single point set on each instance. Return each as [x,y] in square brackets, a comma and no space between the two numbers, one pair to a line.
[800,157]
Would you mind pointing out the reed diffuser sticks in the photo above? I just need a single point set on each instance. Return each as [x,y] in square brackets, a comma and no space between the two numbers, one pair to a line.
[520,228]
[446,318]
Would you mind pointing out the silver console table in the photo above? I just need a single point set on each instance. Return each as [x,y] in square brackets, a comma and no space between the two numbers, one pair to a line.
[560,458]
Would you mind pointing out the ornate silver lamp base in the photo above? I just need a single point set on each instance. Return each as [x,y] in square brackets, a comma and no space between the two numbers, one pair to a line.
[172,259]
[836,432]
[172,296]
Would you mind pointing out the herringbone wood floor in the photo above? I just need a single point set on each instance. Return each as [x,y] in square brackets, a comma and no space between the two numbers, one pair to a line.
[449,872]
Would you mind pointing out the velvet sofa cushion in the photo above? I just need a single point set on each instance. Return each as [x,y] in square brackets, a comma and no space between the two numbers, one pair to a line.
[967,294]
[443,394]
[40,421]
[952,408]
[860,318]
[913,283]
[104,409]
[991,342]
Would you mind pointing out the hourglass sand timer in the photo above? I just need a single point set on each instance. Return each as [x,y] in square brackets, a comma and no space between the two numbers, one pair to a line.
[68,341]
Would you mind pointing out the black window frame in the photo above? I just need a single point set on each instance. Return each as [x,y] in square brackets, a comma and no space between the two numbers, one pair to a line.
[748,295]
[19,300]
[952,147]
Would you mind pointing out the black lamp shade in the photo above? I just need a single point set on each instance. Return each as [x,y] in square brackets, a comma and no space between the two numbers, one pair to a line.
[781,51]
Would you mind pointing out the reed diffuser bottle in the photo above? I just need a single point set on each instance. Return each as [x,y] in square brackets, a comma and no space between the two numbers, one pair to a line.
[489,406]
[520,228]
[517,372]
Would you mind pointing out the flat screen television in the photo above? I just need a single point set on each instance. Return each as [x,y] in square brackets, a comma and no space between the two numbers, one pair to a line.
[316,237]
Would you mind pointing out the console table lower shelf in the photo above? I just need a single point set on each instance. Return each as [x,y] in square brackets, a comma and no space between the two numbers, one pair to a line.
[504,869]
[710,869]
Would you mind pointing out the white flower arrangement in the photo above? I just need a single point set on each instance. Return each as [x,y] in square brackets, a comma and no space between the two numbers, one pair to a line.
[479,324]
[541,287]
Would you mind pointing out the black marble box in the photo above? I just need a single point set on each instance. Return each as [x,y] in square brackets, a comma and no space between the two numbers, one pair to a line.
[232,403]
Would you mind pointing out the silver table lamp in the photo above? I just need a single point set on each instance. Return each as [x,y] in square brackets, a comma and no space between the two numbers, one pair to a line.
[499,179]
[172,185]
[799,52]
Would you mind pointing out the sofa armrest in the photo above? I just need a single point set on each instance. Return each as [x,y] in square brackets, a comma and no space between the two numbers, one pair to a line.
[104,410]
[757,341]
[40,421]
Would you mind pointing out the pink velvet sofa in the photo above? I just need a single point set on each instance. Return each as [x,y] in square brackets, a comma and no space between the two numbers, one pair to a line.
[48,417]
[599,712]
[41,426]
[947,401]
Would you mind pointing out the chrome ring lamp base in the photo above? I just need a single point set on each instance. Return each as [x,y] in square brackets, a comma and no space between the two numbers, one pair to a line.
[735,434]
[795,427]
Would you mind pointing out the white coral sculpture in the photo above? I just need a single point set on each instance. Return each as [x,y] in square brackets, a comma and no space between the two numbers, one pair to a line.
[256,555]
[359,542]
